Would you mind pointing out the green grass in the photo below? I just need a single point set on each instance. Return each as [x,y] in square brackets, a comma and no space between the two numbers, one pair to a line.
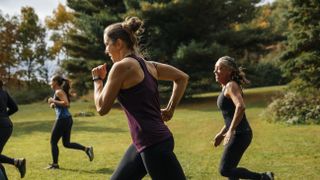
[292,152]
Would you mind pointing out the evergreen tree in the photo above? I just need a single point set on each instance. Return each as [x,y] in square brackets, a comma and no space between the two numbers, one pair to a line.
[85,45]
[302,57]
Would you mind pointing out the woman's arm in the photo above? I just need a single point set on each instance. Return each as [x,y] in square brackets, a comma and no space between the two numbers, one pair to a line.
[63,99]
[180,81]
[234,92]
[104,96]
[12,106]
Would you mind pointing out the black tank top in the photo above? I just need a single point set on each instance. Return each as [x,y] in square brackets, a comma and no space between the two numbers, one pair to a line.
[227,108]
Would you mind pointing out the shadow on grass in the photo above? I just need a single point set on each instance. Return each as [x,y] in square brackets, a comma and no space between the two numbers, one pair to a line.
[98,171]
[28,127]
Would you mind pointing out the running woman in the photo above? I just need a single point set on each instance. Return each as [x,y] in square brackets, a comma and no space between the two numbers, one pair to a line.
[7,108]
[134,82]
[236,134]
[63,124]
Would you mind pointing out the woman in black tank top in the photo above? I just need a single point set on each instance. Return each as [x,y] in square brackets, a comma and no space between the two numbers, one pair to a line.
[236,134]
[7,108]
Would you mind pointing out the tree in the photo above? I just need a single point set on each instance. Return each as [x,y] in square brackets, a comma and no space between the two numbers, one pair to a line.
[31,44]
[61,25]
[85,45]
[301,60]
[8,36]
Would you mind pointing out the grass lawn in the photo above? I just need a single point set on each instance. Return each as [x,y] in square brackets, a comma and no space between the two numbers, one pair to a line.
[292,152]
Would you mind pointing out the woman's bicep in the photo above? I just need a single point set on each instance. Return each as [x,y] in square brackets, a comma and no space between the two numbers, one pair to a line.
[235,93]
[112,87]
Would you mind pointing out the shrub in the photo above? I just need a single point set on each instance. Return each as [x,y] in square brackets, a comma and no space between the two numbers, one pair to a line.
[295,108]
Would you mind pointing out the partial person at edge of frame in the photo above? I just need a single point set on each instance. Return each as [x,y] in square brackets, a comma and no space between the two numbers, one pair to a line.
[236,134]
[133,81]
[7,108]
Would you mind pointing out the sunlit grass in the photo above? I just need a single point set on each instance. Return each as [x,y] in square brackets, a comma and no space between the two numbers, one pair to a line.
[292,152]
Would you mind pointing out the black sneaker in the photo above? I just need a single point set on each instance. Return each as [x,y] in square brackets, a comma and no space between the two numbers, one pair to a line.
[52,166]
[268,176]
[89,153]
[21,166]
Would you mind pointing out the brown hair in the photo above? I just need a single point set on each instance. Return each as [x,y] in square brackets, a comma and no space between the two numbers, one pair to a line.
[128,30]
[237,74]
[64,84]
[1,84]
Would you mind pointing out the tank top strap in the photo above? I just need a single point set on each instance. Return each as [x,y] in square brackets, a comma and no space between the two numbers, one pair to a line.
[142,64]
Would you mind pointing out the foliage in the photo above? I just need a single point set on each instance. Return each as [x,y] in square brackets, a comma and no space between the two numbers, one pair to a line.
[31,91]
[264,74]
[296,108]
[8,37]
[61,24]
[171,29]
[301,60]
[31,45]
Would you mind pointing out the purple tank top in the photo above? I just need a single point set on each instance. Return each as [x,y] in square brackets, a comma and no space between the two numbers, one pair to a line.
[142,107]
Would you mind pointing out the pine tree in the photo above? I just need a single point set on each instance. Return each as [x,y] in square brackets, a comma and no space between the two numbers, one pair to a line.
[302,58]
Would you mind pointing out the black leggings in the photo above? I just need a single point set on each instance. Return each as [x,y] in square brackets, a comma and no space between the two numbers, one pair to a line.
[158,161]
[5,133]
[62,128]
[231,158]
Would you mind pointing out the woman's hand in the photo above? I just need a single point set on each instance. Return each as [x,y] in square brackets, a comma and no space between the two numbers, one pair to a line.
[228,137]
[100,71]
[50,100]
[218,139]
[166,114]
[52,105]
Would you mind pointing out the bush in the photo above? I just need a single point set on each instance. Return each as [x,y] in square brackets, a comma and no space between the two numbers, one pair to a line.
[295,108]
[264,74]
[35,92]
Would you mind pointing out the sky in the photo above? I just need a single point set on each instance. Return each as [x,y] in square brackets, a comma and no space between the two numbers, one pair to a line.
[43,8]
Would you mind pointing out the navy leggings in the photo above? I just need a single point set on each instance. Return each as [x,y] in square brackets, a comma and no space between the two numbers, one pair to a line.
[231,158]
[158,161]
[62,128]
[5,133]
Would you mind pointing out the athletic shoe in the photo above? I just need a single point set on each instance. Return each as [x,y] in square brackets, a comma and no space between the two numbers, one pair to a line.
[268,176]
[21,165]
[52,166]
[89,153]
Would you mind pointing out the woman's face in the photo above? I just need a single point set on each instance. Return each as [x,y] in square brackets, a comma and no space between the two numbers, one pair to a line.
[222,73]
[111,49]
[53,84]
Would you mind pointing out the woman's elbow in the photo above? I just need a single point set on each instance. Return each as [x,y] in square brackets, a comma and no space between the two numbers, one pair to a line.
[103,112]
[241,107]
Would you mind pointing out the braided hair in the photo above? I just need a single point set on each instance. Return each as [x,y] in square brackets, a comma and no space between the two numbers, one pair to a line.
[237,74]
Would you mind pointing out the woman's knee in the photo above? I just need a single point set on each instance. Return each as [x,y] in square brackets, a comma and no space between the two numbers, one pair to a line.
[224,171]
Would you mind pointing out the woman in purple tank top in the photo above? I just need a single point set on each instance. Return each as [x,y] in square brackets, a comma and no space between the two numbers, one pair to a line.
[133,81]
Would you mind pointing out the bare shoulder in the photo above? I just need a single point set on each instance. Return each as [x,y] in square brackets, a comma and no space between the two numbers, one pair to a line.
[232,86]
[123,65]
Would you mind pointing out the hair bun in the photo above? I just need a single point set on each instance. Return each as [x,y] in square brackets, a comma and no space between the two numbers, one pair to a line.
[134,24]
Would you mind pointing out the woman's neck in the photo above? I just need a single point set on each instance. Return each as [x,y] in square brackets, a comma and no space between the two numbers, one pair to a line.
[126,52]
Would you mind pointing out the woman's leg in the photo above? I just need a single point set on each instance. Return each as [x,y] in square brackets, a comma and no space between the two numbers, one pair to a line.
[231,158]
[56,134]
[5,134]
[67,135]
[131,166]
[161,162]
